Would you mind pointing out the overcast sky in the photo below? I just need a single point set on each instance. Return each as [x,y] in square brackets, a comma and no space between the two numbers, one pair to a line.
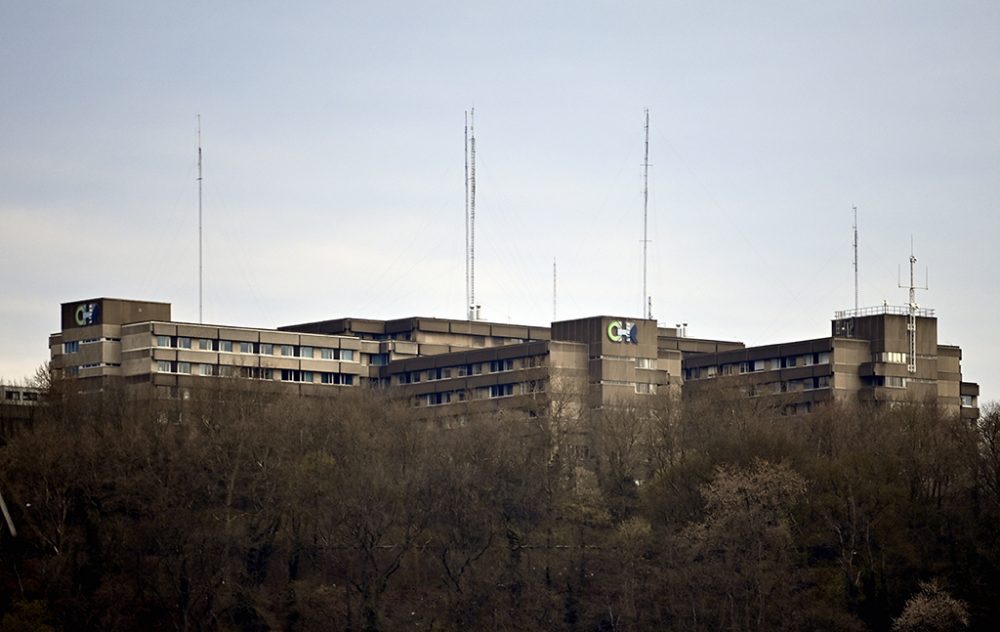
[333,162]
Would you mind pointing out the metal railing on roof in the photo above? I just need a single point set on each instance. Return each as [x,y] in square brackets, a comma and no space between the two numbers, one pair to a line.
[879,310]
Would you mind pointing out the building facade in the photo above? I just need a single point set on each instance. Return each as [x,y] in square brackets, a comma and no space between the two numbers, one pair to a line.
[870,357]
[459,367]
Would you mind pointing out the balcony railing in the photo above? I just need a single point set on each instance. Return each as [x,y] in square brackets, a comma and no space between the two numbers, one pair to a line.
[879,310]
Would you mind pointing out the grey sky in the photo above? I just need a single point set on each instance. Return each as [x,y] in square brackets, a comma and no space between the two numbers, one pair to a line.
[333,135]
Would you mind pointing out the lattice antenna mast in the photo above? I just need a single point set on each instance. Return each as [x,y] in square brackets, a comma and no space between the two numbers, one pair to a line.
[911,323]
[645,221]
[200,286]
[473,308]
[855,209]
[468,299]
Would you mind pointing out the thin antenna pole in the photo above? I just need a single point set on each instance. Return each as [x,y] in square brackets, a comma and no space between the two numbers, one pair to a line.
[911,324]
[468,299]
[645,217]
[200,286]
[472,216]
[553,289]
[855,209]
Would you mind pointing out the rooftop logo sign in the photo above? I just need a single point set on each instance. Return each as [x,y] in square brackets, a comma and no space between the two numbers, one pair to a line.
[621,331]
[87,314]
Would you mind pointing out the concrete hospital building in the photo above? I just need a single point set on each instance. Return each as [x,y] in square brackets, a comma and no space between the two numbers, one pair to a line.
[464,367]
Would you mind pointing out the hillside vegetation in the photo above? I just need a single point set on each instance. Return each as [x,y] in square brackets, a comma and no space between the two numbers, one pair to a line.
[298,514]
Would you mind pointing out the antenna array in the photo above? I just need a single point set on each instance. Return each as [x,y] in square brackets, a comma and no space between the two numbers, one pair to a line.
[911,323]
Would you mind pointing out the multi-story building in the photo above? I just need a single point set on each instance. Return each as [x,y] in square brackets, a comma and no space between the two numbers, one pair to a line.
[458,367]
[879,354]
[18,405]
[433,362]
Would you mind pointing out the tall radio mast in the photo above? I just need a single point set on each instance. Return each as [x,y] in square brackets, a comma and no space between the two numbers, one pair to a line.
[470,184]
[855,209]
[553,289]
[199,225]
[645,217]
[468,299]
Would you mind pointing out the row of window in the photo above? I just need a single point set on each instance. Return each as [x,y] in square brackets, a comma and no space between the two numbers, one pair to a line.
[262,348]
[754,366]
[21,396]
[892,357]
[74,345]
[889,381]
[444,373]
[640,363]
[492,392]
[256,373]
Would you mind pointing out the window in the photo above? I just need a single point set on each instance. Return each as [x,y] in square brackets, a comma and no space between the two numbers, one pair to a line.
[71,347]
[266,348]
[307,376]
[205,369]
[501,390]
[336,378]
[184,367]
[287,350]
[13,395]
[758,365]
[645,363]
[163,341]
[497,366]
[822,381]
[226,345]
[788,362]
[305,352]
[968,401]
[710,371]
[267,374]
[823,357]
[328,354]
[437,374]
[29,396]
[378,359]
[289,375]
[645,389]
[895,382]
[891,357]
[744,367]
[246,347]
[205,344]
[183,343]
[163,366]
[347,355]
[436,399]
[532,386]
